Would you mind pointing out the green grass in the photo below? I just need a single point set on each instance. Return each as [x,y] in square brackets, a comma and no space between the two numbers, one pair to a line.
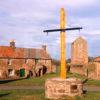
[93,82]
[35,81]
[22,95]
[89,96]
[39,95]
[76,75]
[89,82]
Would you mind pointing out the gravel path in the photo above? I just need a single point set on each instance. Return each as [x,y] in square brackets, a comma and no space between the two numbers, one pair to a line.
[92,88]
[4,87]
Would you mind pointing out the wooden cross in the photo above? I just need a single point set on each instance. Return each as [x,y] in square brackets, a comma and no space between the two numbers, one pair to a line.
[62,30]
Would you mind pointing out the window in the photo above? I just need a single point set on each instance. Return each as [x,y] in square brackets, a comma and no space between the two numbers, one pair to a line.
[9,62]
[36,61]
[10,72]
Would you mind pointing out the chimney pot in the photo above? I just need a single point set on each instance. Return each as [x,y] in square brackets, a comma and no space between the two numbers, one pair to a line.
[44,47]
[12,43]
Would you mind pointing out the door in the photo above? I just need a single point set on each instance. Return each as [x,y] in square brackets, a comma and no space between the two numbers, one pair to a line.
[22,72]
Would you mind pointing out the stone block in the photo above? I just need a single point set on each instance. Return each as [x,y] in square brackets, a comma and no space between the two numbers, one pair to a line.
[56,88]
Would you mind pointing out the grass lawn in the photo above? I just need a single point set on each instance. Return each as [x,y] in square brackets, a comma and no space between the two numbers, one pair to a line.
[22,95]
[89,96]
[39,95]
[35,81]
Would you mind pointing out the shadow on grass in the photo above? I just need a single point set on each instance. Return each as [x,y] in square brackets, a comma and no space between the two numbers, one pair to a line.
[10,80]
[3,95]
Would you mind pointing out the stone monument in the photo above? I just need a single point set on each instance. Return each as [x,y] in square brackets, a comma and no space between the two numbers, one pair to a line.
[56,88]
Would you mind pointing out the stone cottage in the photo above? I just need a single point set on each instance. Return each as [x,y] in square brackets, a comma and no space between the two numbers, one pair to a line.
[97,59]
[21,62]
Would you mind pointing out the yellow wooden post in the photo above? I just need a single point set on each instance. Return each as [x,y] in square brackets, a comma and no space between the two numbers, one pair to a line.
[63,44]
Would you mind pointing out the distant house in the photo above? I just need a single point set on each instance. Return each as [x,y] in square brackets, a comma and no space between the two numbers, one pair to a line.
[97,59]
[19,62]
[79,52]
[79,60]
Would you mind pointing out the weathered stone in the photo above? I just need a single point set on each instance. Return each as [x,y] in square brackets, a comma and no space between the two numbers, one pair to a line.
[90,70]
[79,52]
[56,88]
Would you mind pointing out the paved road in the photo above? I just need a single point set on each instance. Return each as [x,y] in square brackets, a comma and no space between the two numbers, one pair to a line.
[4,87]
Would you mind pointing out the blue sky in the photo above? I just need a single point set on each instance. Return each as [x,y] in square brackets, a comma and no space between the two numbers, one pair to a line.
[25,20]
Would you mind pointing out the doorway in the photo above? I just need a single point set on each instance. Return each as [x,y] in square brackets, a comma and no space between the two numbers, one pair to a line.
[22,72]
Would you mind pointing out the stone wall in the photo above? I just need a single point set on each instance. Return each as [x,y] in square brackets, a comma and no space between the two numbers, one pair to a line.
[17,64]
[91,70]
[49,66]
[30,62]
[78,70]
[94,70]
[3,68]
[47,63]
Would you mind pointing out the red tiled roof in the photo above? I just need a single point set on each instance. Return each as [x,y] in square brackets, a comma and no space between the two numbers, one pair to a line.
[97,59]
[9,52]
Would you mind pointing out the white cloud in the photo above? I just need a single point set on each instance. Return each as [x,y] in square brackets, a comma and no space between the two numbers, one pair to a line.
[26,19]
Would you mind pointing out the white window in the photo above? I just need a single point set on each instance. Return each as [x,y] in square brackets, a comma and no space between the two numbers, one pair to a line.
[10,72]
[9,62]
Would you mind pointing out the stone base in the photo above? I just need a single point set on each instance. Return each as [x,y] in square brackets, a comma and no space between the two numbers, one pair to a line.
[56,88]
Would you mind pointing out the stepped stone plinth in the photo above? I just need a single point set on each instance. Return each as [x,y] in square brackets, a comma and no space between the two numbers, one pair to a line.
[56,88]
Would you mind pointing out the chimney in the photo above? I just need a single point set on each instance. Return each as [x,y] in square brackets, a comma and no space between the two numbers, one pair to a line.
[12,43]
[44,47]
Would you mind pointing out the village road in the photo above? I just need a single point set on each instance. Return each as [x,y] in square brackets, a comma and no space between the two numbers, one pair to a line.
[92,88]
[5,87]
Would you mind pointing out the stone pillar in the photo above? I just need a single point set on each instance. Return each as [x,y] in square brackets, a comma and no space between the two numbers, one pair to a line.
[56,88]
